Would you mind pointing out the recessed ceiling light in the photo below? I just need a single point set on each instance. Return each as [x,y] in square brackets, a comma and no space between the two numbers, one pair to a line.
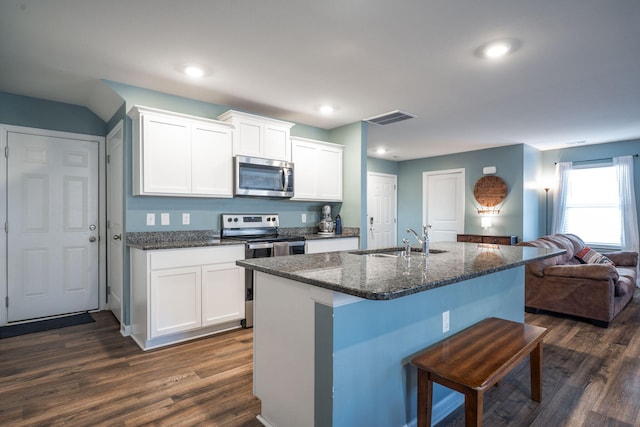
[381,150]
[327,109]
[497,49]
[193,71]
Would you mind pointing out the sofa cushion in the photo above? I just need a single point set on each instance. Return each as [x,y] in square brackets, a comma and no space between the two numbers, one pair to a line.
[590,256]
[562,242]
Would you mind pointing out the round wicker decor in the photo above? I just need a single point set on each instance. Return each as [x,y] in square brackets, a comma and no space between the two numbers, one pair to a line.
[490,190]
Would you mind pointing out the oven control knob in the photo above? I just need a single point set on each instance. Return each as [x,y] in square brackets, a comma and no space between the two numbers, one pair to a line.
[235,219]
[229,219]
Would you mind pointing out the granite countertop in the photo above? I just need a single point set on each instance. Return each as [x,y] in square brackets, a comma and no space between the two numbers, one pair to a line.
[202,238]
[177,239]
[385,278]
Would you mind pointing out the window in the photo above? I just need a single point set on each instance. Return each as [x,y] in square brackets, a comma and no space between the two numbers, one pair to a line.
[593,209]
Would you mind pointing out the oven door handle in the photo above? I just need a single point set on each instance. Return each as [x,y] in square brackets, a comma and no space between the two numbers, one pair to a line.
[261,245]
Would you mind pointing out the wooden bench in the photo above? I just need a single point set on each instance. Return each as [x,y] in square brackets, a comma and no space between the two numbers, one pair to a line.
[475,359]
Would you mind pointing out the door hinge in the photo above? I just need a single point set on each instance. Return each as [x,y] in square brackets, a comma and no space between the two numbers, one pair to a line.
[108,290]
[108,158]
[6,151]
[6,227]
[6,301]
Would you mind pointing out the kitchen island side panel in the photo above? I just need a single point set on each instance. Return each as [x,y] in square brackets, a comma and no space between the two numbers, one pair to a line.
[373,342]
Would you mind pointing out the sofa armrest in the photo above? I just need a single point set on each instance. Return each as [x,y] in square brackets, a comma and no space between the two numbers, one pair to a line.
[626,258]
[584,271]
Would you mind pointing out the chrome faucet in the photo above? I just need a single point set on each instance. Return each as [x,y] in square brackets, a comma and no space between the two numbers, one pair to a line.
[407,247]
[424,240]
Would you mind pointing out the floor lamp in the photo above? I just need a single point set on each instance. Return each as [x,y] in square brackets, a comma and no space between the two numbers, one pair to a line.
[546,210]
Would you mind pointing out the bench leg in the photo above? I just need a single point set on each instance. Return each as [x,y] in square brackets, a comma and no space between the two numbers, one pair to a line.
[425,396]
[473,403]
[535,365]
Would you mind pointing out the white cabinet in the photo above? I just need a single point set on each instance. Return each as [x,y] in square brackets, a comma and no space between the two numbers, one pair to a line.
[259,136]
[317,170]
[175,300]
[180,294]
[180,155]
[329,244]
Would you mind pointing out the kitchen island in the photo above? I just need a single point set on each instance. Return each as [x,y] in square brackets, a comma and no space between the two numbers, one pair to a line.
[334,332]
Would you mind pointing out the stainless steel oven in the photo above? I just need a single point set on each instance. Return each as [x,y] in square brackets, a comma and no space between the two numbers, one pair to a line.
[261,234]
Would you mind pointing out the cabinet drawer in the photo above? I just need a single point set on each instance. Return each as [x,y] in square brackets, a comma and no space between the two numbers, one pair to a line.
[500,240]
[470,238]
[173,258]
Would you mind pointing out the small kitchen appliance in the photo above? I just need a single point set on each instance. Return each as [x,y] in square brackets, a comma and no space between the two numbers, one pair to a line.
[259,177]
[326,225]
[260,232]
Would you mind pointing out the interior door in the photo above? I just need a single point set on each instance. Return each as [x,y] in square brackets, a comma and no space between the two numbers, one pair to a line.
[443,201]
[115,175]
[381,210]
[52,198]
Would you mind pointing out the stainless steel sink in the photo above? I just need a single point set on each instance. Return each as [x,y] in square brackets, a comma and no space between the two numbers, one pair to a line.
[394,252]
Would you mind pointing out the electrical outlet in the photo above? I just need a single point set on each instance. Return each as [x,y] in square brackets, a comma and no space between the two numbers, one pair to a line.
[186,218]
[304,218]
[445,322]
[164,219]
[151,219]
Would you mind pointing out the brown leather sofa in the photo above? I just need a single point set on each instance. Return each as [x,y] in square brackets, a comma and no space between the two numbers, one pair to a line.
[563,284]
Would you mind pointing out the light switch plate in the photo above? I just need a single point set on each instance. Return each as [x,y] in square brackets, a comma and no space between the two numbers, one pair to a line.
[164,219]
[186,218]
[151,219]
[304,218]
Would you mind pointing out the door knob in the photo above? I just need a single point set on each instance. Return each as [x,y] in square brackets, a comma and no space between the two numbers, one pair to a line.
[92,239]
[92,227]
[117,236]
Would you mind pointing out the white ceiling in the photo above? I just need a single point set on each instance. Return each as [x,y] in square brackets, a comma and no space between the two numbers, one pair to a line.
[573,80]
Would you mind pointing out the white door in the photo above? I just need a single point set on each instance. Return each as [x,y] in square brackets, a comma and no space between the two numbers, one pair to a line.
[115,175]
[443,203]
[381,210]
[52,195]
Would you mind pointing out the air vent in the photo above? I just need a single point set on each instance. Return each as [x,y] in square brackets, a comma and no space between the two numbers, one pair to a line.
[390,117]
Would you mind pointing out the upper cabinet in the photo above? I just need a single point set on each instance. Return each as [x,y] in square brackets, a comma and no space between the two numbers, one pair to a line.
[317,167]
[258,136]
[180,155]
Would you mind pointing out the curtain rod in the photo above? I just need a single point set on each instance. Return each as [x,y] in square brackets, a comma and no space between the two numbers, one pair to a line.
[596,160]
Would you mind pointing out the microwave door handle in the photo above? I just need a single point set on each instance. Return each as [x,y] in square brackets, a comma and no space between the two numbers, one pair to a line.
[285,179]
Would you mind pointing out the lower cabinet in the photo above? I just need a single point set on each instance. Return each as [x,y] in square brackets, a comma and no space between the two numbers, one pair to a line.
[180,294]
[331,244]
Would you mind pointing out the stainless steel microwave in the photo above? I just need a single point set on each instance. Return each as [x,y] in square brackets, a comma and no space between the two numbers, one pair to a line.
[263,177]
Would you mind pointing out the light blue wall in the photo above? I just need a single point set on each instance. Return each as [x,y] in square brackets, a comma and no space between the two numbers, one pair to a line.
[354,176]
[509,163]
[382,166]
[381,390]
[532,196]
[592,152]
[38,113]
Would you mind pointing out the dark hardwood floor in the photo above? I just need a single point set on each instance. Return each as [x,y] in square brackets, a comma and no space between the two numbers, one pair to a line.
[90,375]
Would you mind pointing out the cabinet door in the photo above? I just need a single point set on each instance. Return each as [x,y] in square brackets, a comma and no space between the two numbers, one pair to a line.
[222,293]
[166,154]
[175,300]
[329,185]
[318,170]
[331,245]
[276,143]
[247,138]
[212,165]
[305,167]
